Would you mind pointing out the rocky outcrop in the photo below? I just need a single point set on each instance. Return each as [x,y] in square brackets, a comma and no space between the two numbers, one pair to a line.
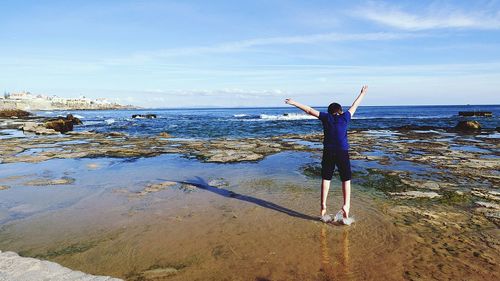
[13,267]
[468,126]
[37,128]
[63,124]
[73,119]
[13,113]
[60,125]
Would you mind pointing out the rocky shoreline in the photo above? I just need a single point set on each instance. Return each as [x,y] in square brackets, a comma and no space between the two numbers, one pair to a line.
[406,164]
[438,186]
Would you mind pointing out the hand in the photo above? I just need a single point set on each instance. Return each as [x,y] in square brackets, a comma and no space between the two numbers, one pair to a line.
[289,101]
[364,89]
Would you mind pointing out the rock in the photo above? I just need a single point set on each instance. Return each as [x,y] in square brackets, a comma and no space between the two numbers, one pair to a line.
[165,135]
[468,126]
[493,216]
[144,116]
[60,125]
[116,134]
[29,127]
[381,159]
[486,194]
[14,267]
[228,155]
[74,120]
[490,210]
[159,273]
[43,182]
[157,187]
[428,214]
[415,194]
[63,124]
[421,184]
[186,187]
[38,129]
[488,205]
[16,113]
[430,185]
[4,187]
[219,183]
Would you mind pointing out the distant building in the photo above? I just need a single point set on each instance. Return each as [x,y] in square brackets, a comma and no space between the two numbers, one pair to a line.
[102,101]
[21,96]
[28,101]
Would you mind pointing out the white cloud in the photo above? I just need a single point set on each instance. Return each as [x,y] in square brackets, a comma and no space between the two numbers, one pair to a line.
[217,93]
[434,18]
[236,46]
[196,98]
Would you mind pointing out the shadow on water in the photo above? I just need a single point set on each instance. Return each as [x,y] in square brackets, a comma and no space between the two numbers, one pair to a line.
[202,184]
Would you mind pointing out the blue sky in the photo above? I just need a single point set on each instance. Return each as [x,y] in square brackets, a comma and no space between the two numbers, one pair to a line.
[253,53]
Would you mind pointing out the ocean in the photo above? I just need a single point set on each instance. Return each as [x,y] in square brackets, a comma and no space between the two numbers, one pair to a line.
[203,123]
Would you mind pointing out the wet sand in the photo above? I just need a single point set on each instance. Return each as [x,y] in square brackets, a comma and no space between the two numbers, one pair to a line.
[169,217]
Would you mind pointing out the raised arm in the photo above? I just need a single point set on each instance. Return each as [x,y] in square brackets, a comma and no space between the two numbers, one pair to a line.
[307,109]
[358,100]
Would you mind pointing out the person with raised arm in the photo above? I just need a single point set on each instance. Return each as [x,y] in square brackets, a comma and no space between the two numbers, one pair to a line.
[335,151]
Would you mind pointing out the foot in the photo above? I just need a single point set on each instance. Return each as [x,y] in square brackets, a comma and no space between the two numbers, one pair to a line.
[345,210]
[326,218]
[343,216]
[323,211]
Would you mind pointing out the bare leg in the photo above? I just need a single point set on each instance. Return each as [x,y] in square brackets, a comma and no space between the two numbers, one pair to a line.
[346,190]
[325,186]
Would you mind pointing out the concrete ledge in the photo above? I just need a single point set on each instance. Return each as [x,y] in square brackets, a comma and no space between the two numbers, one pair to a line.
[13,267]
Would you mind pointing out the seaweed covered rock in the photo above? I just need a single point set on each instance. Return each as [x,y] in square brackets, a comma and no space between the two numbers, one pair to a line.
[468,126]
[14,113]
[60,125]
[73,119]
[63,124]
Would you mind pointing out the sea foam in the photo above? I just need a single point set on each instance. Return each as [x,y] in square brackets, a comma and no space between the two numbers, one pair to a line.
[287,116]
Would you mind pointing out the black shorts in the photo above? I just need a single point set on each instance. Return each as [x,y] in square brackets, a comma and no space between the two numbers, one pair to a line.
[332,158]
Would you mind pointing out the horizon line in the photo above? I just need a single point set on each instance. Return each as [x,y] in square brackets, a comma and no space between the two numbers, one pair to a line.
[269,107]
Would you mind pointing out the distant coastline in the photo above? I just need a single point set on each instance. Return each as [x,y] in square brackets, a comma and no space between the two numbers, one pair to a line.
[29,101]
[314,106]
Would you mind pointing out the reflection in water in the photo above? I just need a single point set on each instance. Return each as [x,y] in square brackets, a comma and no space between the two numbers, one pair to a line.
[334,269]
